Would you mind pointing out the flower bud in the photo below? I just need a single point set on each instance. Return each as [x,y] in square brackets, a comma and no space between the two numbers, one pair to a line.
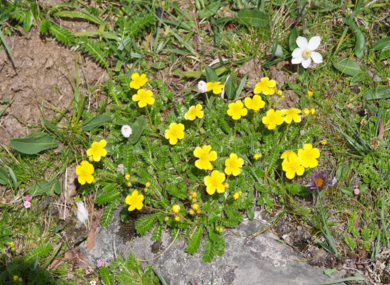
[148,184]
[177,219]
[191,212]
[226,185]
[257,156]
[127,177]
[195,207]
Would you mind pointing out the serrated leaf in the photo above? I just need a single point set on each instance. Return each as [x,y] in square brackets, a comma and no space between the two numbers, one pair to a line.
[62,35]
[95,122]
[194,244]
[253,18]
[93,49]
[105,275]
[107,197]
[208,253]
[377,93]
[347,66]
[40,251]
[157,232]
[109,214]
[34,143]
[145,224]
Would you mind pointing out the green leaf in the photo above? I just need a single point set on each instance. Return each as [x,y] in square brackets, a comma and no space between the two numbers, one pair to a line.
[109,213]
[194,244]
[4,179]
[28,20]
[385,53]
[293,38]
[145,224]
[357,78]
[377,93]
[105,275]
[57,187]
[210,10]
[253,18]
[34,143]
[45,26]
[208,253]
[250,213]
[38,252]
[138,128]
[80,15]
[381,44]
[62,35]
[158,65]
[230,89]
[211,75]
[107,197]
[40,188]
[360,40]
[347,66]
[13,177]
[94,49]
[241,86]
[95,122]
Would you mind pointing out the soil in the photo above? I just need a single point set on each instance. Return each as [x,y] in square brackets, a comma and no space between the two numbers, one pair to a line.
[41,82]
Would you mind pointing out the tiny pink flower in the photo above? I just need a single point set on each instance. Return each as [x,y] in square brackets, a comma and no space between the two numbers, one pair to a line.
[92,282]
[28,198]
[27,204]
[356,191]
[101,263]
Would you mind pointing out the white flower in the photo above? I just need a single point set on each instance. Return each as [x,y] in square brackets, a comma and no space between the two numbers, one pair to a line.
[305,51]
[202,86]
[92,282]
[82,213]
[120,169]
[126,131]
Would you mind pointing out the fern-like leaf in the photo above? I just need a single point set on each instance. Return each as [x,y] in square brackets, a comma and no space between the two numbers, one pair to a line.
[194,244]
[62,35]
[105,276]
[145,224]
[40,251]
[94,49]
[162,158]
[109,213]
[128,157]
[105,198]
[113,92]
[157,232]
[45,26]
[176,192]
[208,253]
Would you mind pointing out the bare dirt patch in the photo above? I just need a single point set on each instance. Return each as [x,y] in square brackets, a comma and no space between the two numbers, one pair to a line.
[44,77]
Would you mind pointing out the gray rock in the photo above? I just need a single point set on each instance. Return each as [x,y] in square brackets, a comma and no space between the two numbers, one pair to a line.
[262,260]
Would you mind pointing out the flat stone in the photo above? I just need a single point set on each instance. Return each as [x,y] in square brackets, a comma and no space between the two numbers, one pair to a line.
[261,260]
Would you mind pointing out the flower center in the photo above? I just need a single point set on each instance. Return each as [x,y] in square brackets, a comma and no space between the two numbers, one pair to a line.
[319,182]
[173,133]
[306,53]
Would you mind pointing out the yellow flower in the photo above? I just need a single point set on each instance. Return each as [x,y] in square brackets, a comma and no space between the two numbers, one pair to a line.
[205,156]
[16,278]
[97,150]
[292,114]
[135,201]
[138,81]
[286,154]
[280,93]
[144,97]
[226,185]
[85,171]
[309,155]
[312,111]
[215,86]
[195,206]
[292,166]
[127,177]
[237,110]
[255,103]
[148,184]
[265,86]
[214,182]
[306,111]
[324,142]
[233,165]
[175,132]
[236,195]
[193,112]
[310,93]
[177,219]
[176,208]
[257,156]
[272,119]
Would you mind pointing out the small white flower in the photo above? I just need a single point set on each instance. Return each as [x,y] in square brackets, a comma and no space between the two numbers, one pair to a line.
[305,51]
[126,131]
[120,169]
[92,282]
[82,213]
[202,86]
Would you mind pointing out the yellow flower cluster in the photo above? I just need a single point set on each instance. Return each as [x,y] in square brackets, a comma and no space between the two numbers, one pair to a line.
[295,164]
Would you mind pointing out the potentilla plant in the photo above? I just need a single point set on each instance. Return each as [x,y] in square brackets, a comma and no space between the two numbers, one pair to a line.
[195,168]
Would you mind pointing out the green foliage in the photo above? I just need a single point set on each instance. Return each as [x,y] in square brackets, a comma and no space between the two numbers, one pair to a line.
[350,242]
[109,213]
[145,224]
[127,272]
[94,49]
[194,243]
[62,35]
[40,251]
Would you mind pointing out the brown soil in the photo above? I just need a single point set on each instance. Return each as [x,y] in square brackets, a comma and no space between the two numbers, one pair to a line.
[44,78]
